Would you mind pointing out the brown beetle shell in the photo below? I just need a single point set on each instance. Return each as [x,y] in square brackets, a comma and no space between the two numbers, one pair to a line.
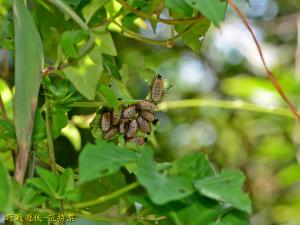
[122,126]
[129,112]
[111,133]
[116,117]
[143,124]
[137,140]
[133,126]
[105,121]
[148,115]
[147,106]
[157,89]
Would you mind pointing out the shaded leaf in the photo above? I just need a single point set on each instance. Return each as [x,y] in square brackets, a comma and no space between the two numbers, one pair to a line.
[94,189]
[5,190]
[227,188]
[39,129]
[111,66]
[102,159]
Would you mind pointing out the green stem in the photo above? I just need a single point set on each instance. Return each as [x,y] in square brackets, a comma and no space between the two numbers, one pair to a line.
[138,37]
[105,198]
[68,10]
[49,138]
[98,104]
[168,42]
[156,19]
[225,105]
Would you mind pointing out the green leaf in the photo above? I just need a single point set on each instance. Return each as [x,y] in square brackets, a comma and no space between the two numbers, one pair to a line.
[102,159]
[180,7]
[161,188]
[74,3]
[40,184]
[227,188]
[28,67]
[30,198]
[192,37]
[106,43]
[39,129]
[5,190]
[199,211]
[86,74]
[48,178]
[59,120]
[94,189]
[109,96]
[111,66]
[68,42]
[66,182]
[146,74]
[214,10]
[90,9]
[233,218]
[194,166]
[7,129]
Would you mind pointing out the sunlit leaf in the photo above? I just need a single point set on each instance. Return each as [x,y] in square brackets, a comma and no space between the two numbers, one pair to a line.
[214,10]
[86,73]
[106,43]
[68,42]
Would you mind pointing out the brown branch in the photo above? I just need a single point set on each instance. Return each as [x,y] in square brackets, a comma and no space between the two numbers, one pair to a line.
[268,71]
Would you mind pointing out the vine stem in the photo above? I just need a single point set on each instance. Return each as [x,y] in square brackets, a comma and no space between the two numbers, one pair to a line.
[237,104]
[157,19]
[168,42]
[49,138]
[104,198]
[268,71]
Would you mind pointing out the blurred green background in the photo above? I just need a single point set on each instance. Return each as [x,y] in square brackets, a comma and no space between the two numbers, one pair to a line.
[264,146]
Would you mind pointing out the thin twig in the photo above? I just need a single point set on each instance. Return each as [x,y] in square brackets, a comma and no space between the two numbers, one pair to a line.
[268,71]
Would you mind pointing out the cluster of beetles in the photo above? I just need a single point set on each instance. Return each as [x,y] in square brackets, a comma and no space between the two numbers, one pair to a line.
[133,117]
